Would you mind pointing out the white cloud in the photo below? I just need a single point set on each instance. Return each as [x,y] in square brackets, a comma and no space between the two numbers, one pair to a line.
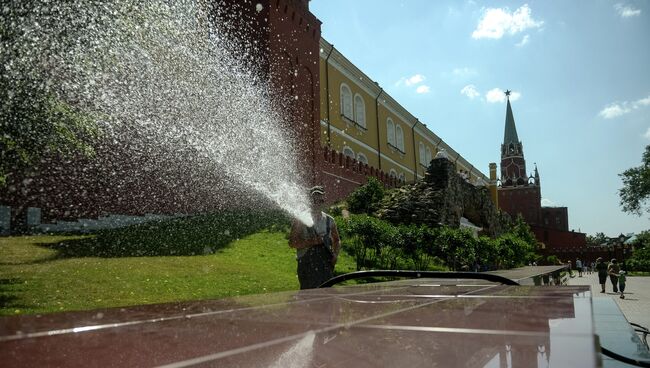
[548,203]
[411,81]
[617,109]
[498,21]
[418,78]
[470,91]
[626,11]
[644,101]
[498,95]
[523,41]
[613,111]
[423,89]
[647,134]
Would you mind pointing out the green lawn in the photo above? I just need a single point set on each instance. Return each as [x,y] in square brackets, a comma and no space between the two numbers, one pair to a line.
[38,276]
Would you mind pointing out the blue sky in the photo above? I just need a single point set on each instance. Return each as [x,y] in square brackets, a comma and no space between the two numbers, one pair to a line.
[580,72]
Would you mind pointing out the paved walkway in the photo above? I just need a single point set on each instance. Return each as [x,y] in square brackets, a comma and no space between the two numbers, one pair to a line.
[635,306]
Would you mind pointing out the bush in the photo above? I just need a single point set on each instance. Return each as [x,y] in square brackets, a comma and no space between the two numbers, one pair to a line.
[512,251]
[457,247]
[372,242]
[366,198]
[378,244]
[418,246]
[640,260]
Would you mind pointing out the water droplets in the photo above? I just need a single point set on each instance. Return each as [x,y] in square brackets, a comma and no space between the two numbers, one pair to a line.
[171,90]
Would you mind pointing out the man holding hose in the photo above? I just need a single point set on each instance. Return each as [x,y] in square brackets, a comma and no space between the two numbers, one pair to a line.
[317,247]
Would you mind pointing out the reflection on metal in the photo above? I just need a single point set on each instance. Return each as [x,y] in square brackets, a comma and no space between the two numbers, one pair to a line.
[394,324]
[417,275]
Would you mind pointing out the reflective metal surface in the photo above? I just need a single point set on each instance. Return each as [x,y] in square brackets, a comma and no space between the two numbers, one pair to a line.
[413,323]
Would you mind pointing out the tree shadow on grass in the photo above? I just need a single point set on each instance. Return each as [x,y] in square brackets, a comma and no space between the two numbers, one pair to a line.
[187,236]
[9,298]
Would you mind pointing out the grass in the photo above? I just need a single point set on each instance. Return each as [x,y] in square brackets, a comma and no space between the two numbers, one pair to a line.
[39,274]
[638,273]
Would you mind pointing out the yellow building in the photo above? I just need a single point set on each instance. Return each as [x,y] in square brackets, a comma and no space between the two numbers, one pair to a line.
[361,120]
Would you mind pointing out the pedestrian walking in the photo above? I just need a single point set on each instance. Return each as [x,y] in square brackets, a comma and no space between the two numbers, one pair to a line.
[612,270]
[579,267]
[621,283]
[601,268]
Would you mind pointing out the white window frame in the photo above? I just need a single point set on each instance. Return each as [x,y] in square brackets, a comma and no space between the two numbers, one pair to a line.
[360,110]
[392,174]
[399,137]
[428,156]
[423,157]
[362,158]
[349,150]
[390,132]
[346,101]
[402,178]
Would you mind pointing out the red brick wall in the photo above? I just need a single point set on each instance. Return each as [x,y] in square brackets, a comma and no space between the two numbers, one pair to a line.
[521,200]
[555,218]
[556,239]
[294,35]
[342,174]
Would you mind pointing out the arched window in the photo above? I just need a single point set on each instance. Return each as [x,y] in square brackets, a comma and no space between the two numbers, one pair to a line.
[429,157]
[399,137]
[346,102]
[347,151]
[423,157]
[359,110]
[362,158]
[401,178]
[390,128]
[392,173]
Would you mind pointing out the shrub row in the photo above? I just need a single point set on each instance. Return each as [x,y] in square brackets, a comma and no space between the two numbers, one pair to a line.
[380,245]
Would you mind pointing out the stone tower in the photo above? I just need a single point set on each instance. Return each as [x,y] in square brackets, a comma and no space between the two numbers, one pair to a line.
[519,193]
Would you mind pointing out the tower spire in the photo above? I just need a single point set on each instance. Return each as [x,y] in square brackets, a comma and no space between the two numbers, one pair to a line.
[510,133]
[513,164]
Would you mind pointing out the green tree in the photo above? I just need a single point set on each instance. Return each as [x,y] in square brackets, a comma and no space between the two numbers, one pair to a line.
[640,260]
[366,198]
[418,245]
[371,241]
[522,230]
[457,247]
[635,193]
[33,121]
[513,251]
[597,239]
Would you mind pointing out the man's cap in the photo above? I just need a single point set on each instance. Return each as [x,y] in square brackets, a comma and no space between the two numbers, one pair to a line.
[317,190]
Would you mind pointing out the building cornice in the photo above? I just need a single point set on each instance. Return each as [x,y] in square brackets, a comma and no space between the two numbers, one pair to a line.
[345,66]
